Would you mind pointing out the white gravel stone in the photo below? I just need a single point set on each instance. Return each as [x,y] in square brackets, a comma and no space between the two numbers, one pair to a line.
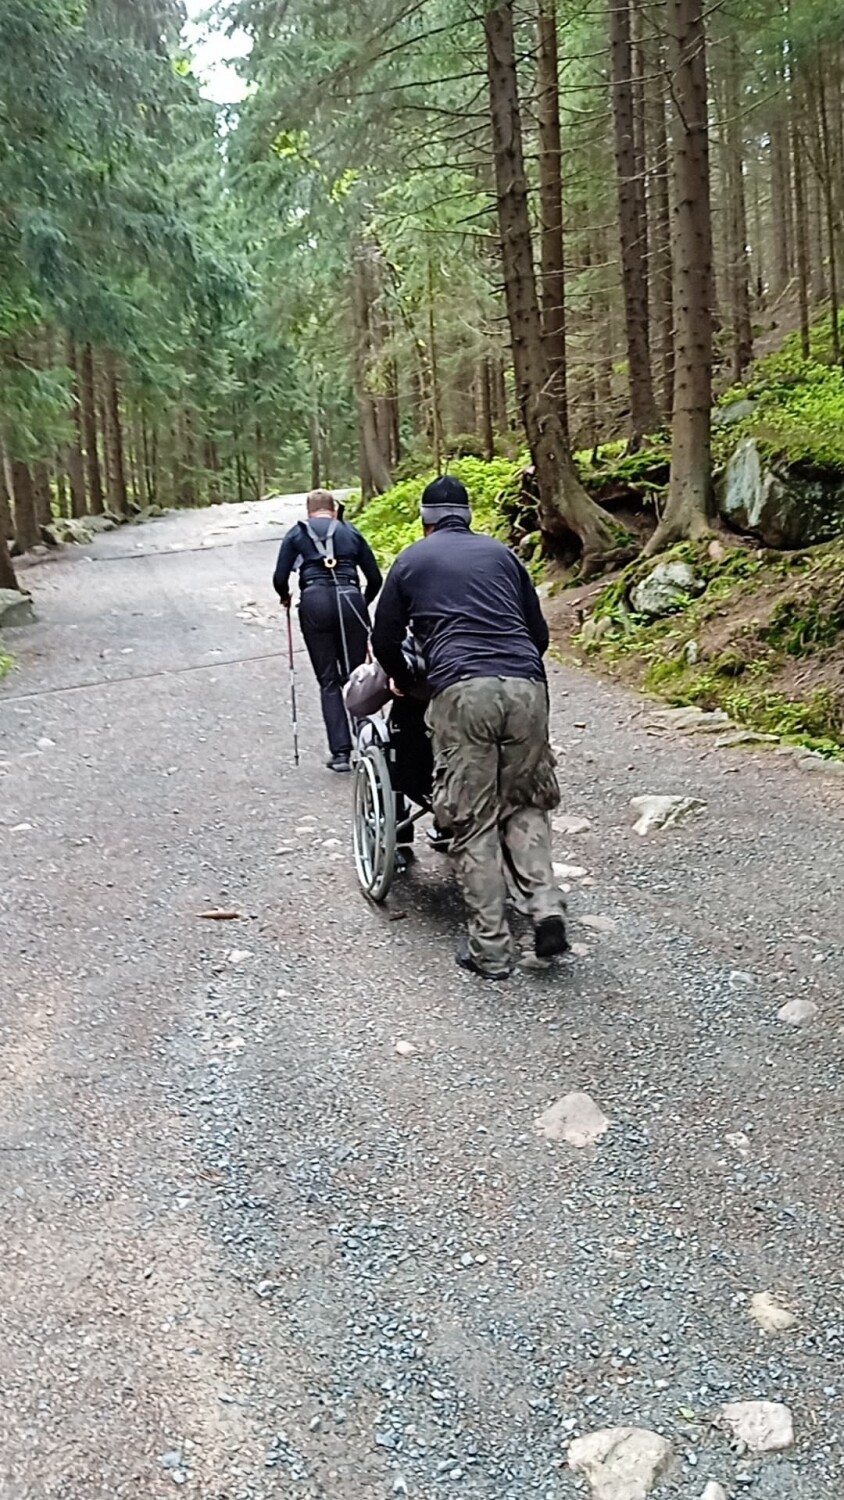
[576,1118]
[598,923]
[796,1012]
[764,1426]
[570,825]
[655,811]
[620,1463]
[714,1491]
[771,1314]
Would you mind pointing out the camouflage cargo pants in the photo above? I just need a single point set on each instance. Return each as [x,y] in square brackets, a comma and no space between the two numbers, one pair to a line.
[494,785]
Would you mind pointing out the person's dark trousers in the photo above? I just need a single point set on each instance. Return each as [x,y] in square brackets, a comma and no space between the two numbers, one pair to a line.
[319,616]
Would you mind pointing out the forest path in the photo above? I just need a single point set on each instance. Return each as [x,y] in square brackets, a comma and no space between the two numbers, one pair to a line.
[249,1250]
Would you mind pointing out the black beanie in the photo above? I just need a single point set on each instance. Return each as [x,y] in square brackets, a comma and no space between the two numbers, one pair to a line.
[444,497]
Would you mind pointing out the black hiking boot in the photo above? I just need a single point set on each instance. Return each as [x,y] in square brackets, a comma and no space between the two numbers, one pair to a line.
[341,762]
[439,839]
[550,938]
[465,960]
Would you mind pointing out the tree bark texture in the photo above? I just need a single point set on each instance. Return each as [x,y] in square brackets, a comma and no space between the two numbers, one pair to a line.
[829,208]
[7,572]
[43,494]
[801,225]
[8,579]
[27,530]
[689,506]
[315,436]
[375,471]
[552,245]
[780,206]
[487,426]
[74,459]
[564,505]
[738,257]
[88,394]
[644,417]
[662,297]
[115,464]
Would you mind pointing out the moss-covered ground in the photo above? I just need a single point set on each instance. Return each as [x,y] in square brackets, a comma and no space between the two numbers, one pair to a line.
[764,642]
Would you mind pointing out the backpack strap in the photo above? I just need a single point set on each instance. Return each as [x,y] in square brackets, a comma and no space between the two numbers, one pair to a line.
[325,549]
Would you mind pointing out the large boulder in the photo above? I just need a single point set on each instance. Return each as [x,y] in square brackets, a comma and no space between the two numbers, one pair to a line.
[668,587]
[784,509]
[15,609]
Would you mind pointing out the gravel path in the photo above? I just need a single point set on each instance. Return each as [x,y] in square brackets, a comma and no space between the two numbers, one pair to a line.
[249,1250]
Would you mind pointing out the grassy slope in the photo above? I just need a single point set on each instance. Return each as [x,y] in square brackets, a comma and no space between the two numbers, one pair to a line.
[765,641]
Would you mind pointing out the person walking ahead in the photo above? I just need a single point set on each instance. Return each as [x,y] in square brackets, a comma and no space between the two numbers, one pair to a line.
[476,617]
[332,610]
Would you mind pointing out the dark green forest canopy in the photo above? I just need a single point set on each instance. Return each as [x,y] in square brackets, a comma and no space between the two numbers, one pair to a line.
[428,230]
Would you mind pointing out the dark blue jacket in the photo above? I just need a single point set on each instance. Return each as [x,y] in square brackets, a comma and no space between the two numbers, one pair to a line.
[471,605]
[351,550]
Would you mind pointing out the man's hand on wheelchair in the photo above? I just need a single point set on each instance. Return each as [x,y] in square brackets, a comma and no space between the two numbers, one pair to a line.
[396,691]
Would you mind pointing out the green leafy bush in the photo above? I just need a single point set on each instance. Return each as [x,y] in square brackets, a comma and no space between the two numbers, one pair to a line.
[799,412]
[391,522]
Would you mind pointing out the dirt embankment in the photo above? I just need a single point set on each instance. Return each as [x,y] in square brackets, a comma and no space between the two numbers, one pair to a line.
[763,639]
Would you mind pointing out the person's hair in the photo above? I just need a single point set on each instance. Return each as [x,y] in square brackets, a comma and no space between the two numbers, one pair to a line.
[320,500]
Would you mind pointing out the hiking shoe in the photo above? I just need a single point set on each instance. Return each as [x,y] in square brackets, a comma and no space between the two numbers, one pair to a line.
[550,938]
[465,960]
[439,839]
[340,762]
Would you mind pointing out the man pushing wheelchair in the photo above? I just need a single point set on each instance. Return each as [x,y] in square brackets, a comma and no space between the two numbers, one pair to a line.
[476,619]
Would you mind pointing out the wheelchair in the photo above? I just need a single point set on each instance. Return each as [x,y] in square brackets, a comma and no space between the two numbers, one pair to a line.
[393,774]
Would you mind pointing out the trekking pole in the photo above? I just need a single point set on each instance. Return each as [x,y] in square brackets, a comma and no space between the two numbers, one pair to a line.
[292,688]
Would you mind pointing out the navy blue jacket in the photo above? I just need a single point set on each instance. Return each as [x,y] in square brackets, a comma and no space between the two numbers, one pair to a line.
[471,605]
[351,550]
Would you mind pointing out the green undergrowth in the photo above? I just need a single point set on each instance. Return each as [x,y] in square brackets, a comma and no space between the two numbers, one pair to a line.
[610,468]
[391,521]
[798,414]
[6,664]
[764,642]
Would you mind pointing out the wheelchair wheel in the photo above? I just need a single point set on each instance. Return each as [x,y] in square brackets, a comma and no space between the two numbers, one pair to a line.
[374,823]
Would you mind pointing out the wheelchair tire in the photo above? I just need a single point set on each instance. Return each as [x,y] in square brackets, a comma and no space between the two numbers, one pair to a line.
[374,823]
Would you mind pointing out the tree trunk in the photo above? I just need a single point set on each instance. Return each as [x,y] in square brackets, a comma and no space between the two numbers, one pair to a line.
[689,507]
[739,261]
[433,364]
[88,394]
[394,410]
[552,247]
[662,301]
[139,480]
[42,493]
[115,462]
[316,476]
[829,209]
[7,572]
[801,227]
[780,206]
[74,460]
[644,417]
[564,505]
[639,88]
[375,471]
[499,395]
[27,530]
[487,426]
